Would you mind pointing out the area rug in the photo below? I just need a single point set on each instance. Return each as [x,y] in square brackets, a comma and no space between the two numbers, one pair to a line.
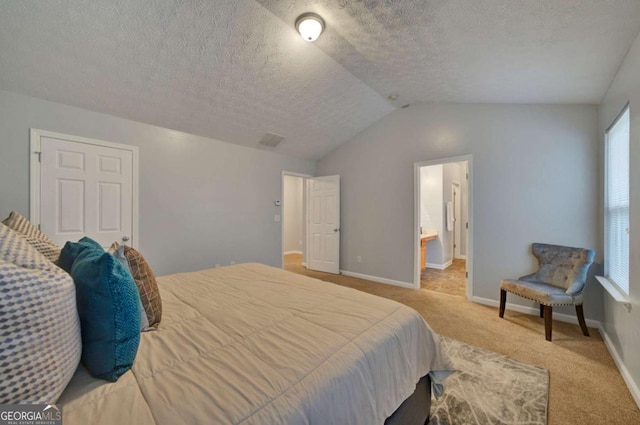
[489,388]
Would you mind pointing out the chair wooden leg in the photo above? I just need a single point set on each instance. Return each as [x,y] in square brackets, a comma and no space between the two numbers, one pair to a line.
[548,321]
[503,301]
[541,310]
[583,325]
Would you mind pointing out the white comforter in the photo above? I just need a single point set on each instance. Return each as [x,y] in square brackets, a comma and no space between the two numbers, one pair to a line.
[251,344]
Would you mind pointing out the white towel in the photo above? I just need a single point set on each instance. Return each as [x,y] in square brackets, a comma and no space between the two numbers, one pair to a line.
[450,217]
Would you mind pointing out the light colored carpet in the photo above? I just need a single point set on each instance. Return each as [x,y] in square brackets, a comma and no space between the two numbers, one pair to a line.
[489,388]
[585,385]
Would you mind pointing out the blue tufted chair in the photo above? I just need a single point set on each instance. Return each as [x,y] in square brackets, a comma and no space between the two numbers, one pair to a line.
[560,280]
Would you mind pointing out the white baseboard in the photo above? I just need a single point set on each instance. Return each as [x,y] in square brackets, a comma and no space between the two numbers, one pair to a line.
[378,279]
[292,252]
[439,266]
[304,264]
[461,257]
[617,359]
[536,312]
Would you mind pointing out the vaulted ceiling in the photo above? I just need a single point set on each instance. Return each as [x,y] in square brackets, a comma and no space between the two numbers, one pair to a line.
[234,70]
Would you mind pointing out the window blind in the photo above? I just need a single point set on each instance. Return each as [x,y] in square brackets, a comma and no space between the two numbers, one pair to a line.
[617,202]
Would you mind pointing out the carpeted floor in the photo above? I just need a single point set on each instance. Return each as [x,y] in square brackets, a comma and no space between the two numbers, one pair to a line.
[585,385]
[490,389]
[451,280]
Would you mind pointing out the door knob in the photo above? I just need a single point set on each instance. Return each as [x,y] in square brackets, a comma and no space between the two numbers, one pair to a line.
[335,230]
[125,238]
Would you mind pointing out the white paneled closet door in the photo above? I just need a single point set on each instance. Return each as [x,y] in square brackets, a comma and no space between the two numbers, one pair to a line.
[86,190]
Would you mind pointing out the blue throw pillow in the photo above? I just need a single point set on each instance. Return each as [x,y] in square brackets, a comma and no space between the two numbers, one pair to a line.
[71,251]
[108,305]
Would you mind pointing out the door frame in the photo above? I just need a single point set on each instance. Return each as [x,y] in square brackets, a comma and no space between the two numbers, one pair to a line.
[417,197]
[35,143]
[305,214]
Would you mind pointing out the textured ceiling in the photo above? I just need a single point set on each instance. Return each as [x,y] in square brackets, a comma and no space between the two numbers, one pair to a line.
[489,51]
[234,70]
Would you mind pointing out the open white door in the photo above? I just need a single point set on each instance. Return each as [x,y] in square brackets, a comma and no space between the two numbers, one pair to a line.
[85,189]
[324,224]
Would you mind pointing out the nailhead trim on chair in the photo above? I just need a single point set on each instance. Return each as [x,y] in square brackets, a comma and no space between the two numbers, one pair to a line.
[550,305]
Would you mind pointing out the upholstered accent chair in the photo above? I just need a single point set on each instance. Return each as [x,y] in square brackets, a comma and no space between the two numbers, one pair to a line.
[560,280]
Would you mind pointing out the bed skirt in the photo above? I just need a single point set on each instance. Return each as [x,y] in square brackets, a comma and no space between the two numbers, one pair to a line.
[415,409]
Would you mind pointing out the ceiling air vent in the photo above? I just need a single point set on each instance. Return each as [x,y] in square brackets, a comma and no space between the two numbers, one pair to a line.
[271,140]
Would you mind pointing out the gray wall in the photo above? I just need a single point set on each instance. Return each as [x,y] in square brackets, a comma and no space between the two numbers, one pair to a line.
[293,220]
[535,174]
[622,326]
[202,201]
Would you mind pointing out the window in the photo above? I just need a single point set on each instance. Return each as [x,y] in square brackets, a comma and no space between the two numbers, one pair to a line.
[616,202]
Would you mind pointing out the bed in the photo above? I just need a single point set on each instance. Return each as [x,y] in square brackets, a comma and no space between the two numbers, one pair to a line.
[252,344]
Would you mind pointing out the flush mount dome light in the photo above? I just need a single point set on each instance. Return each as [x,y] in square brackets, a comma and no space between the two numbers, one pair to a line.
[310,26]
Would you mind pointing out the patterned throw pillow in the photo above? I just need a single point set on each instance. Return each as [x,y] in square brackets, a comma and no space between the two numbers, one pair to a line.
[15,248]
[40,343]
[144,320]
[35,237]
[145,281]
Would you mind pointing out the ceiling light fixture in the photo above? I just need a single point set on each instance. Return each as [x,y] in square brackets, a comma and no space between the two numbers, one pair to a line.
[310,26]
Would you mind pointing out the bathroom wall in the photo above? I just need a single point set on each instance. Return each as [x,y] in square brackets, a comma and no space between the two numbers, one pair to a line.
[456,172]
[436,190]
[431,211]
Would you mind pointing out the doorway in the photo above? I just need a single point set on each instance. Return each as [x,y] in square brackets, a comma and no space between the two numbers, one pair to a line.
[311,222]
[443,225]
[294,223]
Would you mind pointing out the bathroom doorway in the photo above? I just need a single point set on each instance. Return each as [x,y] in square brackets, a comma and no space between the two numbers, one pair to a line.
[443,206]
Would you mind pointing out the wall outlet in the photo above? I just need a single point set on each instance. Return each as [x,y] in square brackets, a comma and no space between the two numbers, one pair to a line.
[358,259]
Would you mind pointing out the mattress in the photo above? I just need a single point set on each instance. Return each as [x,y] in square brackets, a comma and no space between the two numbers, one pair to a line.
[252,344]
